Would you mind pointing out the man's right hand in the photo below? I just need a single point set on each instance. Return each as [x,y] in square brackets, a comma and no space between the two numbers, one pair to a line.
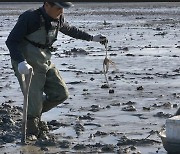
[23,67]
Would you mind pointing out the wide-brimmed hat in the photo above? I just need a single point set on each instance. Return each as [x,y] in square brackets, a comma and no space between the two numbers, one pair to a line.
[65,5]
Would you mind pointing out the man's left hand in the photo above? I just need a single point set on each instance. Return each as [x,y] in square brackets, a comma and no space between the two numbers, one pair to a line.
[100,38]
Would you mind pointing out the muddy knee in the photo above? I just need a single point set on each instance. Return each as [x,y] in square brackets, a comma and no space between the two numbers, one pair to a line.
[60,98]
[50,103]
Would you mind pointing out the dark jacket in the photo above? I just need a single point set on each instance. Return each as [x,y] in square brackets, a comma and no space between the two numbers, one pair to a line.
[29,22]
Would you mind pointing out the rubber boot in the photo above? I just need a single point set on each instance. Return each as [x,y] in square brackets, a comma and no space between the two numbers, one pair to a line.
[43,130]
[32,128]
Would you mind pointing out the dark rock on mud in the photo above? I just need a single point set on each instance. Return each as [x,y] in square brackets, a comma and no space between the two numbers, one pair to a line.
[129,103]
[167,105]
[129,108]
[92,79]
[95,108]
[9,101]
[100,133]
[116,104]
[163,115]
[146,108]
[92,124]
[140,88]
[108,106]
[85,117]
[44,149]
[124,48]
[129,54]
[111,91]
[105,86]
[57,123]
[177,95]
[175,105]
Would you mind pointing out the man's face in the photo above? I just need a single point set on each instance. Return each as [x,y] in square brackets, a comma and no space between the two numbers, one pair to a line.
[53,11]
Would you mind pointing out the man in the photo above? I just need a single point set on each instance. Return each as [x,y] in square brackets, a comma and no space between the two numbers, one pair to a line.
[30,45]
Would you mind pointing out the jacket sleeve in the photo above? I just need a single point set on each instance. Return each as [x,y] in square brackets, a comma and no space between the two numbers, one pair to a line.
[74,32]
[16,36]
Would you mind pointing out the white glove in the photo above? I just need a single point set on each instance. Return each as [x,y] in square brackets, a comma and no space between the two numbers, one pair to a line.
[100,38]
[23,67]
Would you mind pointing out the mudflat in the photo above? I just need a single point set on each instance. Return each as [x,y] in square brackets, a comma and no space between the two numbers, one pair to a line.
[144,82]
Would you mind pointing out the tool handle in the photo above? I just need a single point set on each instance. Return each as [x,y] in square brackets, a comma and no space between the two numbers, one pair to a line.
[26,85]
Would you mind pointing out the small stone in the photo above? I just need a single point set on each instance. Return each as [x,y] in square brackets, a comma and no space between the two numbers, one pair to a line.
[108,106]
[175,105]
[129,103]
[111,91]
[167,105]
[105,86]
[140,88]
[129,108]
[92,79]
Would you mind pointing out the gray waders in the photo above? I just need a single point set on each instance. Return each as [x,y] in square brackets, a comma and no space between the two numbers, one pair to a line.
[46,79]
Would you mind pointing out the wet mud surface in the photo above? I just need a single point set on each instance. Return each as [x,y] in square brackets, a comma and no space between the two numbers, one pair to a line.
[144,84]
